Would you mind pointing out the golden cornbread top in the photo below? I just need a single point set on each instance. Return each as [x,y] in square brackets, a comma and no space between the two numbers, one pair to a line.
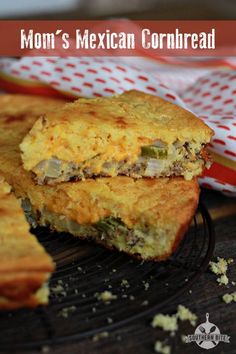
[109,128]
[19,112]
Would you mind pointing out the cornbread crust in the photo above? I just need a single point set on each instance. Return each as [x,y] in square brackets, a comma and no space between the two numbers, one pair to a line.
[24,265]
[88,134]
[40,297]
[142,205]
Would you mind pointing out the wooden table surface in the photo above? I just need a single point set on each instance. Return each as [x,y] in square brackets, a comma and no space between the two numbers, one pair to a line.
[139,337]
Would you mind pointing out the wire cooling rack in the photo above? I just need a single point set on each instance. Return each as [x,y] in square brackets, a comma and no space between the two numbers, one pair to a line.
[85,270]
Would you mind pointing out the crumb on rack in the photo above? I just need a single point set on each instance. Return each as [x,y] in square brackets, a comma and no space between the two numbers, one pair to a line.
[125,283]
[159,347]
[170,322]
[100,336]
[184,314]
[146,285]
[106,296]
[45,349]
[59,288]
[66,311]
[228,298]
[145,303]
[223,280]
[166,322]
[220,268]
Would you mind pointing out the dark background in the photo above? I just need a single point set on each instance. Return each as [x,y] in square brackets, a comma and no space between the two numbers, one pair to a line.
[134,9]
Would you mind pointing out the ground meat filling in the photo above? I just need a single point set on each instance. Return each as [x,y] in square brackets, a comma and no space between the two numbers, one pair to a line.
[155,161]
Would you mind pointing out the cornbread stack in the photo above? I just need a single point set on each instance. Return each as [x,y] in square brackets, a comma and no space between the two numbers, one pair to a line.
[119,170]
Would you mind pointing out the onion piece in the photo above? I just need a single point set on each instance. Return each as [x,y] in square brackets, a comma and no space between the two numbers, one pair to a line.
[154,167]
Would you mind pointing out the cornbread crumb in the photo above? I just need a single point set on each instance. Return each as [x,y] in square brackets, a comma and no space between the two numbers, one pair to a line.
[45,349]
[132,298]
[146,285]
[184,314]
[125,283]
[159,347]
[220,268]
[100,336]
[166,322]
[145,303]
[58,289]
[109,320]
[233,283]
[66,311]
[223,280]
[183,338]
[228,298]
[106,296]
[170,323]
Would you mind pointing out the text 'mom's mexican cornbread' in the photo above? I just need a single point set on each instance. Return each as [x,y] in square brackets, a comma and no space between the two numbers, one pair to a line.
[24,265]
[145,217]
[133,134]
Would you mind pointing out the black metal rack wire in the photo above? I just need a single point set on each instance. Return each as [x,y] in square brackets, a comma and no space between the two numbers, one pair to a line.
[85,270]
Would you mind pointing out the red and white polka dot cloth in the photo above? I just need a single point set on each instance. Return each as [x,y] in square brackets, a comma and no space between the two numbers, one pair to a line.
[211,95]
